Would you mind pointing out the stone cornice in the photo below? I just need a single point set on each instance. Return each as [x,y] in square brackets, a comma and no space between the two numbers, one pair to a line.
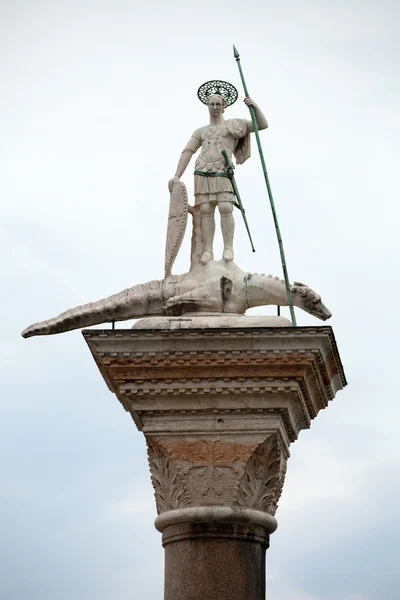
[217,364]
[219,409]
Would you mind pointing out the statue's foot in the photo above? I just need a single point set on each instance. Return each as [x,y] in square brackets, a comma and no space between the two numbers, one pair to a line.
[228,254]
[206,257]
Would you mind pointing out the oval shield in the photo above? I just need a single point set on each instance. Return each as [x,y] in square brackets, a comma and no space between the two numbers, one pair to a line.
[177,220]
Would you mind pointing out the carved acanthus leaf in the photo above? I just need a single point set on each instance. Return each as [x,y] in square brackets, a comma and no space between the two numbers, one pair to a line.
[169,487]
[261,484]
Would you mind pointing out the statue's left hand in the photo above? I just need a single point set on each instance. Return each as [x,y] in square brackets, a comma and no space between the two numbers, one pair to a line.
[171,182]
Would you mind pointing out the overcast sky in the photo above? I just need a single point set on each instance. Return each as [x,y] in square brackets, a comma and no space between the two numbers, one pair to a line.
[97,100]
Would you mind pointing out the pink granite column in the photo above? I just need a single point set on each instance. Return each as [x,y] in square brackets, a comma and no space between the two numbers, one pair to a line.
[215,561]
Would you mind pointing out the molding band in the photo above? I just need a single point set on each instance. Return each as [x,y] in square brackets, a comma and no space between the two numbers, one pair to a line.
[225,514]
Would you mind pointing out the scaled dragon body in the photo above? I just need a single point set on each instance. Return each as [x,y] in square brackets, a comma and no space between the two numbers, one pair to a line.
[218,287]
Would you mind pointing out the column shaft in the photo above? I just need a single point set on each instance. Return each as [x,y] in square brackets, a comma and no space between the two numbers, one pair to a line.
[215,561]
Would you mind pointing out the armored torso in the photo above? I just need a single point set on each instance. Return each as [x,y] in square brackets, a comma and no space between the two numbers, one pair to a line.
[214,139]
[231,136]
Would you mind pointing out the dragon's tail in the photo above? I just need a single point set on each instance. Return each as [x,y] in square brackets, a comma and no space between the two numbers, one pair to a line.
[138,301]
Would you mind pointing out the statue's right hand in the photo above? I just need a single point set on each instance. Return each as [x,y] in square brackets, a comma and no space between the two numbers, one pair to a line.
[171,182]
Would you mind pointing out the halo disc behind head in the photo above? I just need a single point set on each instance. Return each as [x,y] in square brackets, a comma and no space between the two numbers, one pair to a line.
[222,88]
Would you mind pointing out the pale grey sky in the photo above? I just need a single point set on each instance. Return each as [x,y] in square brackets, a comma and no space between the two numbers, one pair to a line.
[97,100]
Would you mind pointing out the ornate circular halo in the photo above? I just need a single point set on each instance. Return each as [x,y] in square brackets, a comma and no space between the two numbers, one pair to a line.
[222,88]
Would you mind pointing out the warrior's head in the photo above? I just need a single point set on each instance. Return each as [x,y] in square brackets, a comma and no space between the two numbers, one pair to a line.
[216,105]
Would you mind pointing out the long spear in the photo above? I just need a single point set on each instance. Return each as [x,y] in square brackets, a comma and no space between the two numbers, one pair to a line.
[271,199]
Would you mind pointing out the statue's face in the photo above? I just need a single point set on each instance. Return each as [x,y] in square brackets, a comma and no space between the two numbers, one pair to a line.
[215,105]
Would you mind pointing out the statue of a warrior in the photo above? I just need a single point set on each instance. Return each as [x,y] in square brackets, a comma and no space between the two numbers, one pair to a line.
[212,184]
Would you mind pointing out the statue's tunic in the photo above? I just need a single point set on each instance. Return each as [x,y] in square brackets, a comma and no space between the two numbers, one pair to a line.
[233,137]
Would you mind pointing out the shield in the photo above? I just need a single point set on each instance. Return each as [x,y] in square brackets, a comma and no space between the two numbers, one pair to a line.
[177,220]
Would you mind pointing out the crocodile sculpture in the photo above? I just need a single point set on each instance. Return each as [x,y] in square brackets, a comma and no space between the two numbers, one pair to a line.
[218,287]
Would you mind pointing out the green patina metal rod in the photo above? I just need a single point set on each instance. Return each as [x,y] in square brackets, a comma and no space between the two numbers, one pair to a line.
[271,199]
[230,173]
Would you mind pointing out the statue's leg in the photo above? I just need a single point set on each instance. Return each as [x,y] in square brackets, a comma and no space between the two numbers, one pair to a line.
[227,228]
[207,231]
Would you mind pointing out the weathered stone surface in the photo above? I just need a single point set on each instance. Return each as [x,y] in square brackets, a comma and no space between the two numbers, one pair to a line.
[219,407]
[219,287]
[177,220]
[207,471]
[212,321]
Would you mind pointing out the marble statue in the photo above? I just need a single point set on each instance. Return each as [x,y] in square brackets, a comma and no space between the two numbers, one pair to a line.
[212,187]
[209,287]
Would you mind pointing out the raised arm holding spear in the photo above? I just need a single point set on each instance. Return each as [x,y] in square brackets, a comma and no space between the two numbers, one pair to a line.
[271,199]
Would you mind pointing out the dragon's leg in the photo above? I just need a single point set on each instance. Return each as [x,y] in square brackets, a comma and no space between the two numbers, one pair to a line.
[198,300]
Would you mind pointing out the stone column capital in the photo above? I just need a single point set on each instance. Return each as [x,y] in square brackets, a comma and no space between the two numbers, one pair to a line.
[219,409]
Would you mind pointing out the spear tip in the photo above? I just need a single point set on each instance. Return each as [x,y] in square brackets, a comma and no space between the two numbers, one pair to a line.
[235,52]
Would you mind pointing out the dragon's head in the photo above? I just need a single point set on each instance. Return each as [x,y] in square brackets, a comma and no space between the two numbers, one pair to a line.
[305,298]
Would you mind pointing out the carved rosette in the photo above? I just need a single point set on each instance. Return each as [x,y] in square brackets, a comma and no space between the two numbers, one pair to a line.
[204,472]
